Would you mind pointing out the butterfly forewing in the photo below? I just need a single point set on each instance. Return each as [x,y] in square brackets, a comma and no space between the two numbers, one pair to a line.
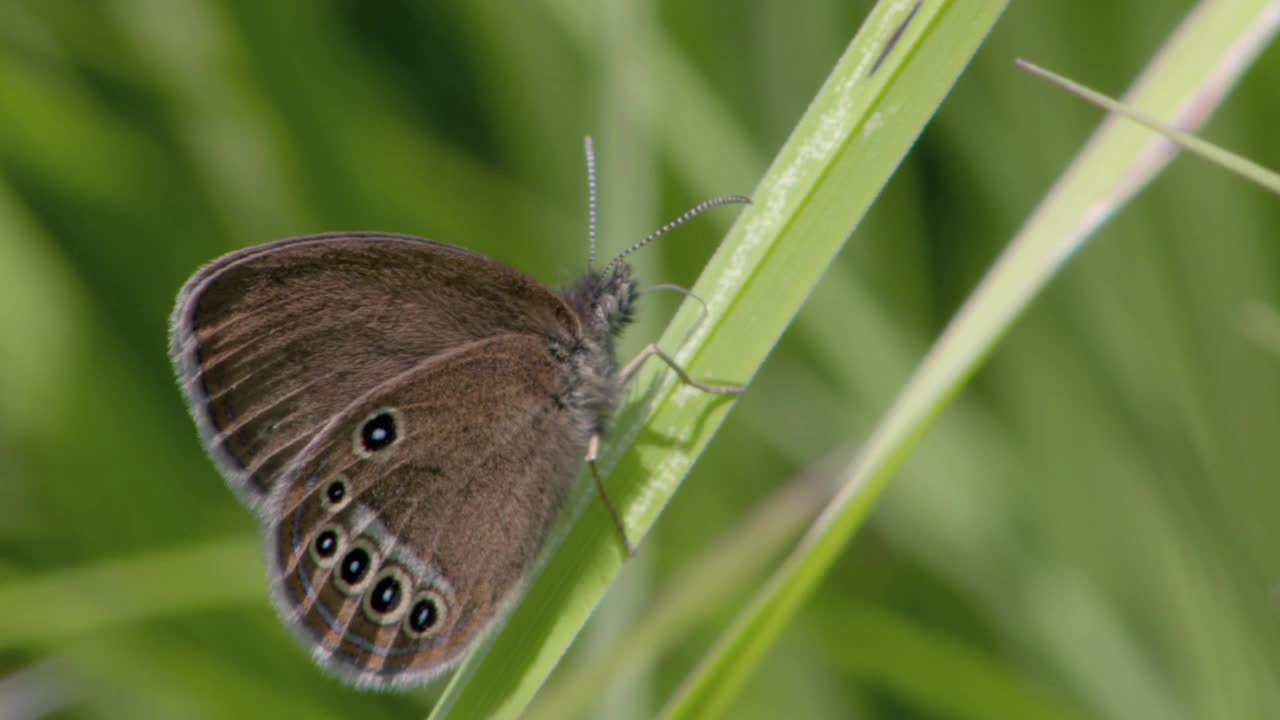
[270,342]
[408,523]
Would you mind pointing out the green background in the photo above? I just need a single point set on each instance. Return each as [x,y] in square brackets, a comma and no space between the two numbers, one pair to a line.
[1089,531]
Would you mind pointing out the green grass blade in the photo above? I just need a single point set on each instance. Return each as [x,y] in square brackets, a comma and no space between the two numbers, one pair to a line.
[93,599]
[1239,165]
[729,569]
[1116,162]
[882,91]
[1262,323]
[962,682]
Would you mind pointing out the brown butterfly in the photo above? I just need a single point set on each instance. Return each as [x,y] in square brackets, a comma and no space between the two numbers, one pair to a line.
[406,417]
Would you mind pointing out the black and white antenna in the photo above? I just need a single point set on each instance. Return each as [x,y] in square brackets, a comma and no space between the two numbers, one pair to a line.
[689,214]
[590,149]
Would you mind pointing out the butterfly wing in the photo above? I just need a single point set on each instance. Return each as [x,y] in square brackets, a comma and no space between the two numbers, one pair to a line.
[408,524]
[271,341]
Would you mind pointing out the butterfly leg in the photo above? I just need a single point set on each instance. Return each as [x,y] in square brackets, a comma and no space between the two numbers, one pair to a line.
[593,452]
[652,350]
[593,447]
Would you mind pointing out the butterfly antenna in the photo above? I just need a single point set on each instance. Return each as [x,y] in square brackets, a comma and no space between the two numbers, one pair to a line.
[589,147]
[690,214]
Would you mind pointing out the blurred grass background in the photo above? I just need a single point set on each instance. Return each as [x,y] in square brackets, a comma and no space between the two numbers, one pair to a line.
[1090,524]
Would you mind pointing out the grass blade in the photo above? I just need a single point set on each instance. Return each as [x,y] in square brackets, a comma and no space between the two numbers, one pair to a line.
[883,90]
[1117,161]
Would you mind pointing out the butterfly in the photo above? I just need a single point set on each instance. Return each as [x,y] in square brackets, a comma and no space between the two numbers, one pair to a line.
[406,417]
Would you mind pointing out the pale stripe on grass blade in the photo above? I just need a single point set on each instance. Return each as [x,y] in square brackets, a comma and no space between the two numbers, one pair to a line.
[1203,57]
[883,90]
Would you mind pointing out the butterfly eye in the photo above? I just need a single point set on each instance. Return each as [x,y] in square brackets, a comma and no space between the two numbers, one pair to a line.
[427,615]
[337,494]
[385,602]
[325,548]
[378,432]
[356,567]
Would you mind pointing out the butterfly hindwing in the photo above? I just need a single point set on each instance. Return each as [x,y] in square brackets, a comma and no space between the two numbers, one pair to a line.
[409,522]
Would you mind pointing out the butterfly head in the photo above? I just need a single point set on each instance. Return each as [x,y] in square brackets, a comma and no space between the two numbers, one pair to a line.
[603,299]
